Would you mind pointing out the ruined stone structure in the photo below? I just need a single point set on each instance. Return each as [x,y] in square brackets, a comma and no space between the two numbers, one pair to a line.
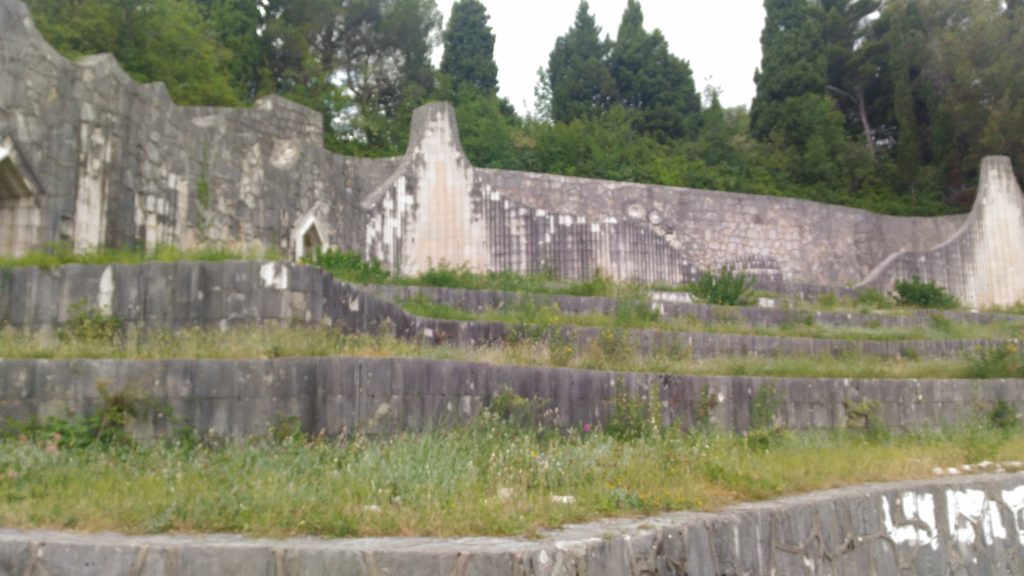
[89,157]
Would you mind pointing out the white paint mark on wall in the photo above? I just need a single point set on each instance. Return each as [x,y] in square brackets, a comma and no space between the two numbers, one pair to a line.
[106,296]
[970,508]
[274,276]
[1014,500]
[917,527]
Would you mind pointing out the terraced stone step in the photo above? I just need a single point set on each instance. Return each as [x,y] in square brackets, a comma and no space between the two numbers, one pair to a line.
[669,307]
[241,398]
[169,296]
[966,525]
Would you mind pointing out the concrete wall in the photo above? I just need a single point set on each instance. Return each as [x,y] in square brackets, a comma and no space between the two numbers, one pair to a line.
[168,296]
[679,305]
[119,164]
[983,263]
[966,526]
[241,398]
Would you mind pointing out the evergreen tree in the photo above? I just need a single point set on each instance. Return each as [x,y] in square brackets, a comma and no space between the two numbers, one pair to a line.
[469,49]
[793,62]
[857,76]
[580,83]
[652,81]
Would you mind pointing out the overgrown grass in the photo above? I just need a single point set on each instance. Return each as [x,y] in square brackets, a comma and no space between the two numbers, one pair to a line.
[488,479]
[635,313]
[61,254]
[611,351]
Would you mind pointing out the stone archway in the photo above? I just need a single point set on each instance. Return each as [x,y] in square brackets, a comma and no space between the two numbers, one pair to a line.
[20,203]
[310,233]
[311,240]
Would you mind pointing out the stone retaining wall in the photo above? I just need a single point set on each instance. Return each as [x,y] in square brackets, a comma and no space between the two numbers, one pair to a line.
[672,305]
[334,395]
[175,295]
[965,526]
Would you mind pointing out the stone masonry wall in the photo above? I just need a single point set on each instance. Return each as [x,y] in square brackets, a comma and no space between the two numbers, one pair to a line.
[969,526]
[169,296]
[334,395]
[119,164]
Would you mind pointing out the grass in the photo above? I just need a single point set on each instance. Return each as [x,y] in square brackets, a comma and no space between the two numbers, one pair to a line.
[488,479]
[609,352]
[56,255]
[635,313]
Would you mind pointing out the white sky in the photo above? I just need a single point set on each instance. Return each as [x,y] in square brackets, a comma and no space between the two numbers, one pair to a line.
[720,39]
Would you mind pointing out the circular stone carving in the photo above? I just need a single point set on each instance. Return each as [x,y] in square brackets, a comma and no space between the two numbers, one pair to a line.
[655,217]
[636,211]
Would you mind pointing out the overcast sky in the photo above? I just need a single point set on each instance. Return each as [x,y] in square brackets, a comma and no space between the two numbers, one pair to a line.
[720,39]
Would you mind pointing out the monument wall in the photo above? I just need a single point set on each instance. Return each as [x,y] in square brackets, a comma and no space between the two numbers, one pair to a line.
[89,157]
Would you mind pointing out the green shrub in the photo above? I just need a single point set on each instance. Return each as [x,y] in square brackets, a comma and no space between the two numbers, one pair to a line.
[349,266]
[597,285]
[632,417]
[1003,416]
[1005,360]
[107,427]
[872,299]
[88,325]
[924,295]
[727,288]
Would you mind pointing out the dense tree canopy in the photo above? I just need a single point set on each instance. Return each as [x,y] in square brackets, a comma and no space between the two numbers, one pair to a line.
[882,104]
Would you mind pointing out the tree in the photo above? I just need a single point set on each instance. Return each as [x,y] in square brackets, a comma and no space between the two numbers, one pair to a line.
[651,81]
[154,40]
[580,83]
[793,62]
[237,24]
[469,49]
[856,61]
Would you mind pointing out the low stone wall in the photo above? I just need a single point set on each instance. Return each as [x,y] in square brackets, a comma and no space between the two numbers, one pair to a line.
[334,395]
[967,526]
[479,300]
[219,294]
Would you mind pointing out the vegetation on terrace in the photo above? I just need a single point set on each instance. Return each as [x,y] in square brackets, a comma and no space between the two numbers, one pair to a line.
[498,475]
[94,336]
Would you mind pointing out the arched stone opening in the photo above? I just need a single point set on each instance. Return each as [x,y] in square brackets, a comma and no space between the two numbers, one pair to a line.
[311,240]
[310,233]
[20,203]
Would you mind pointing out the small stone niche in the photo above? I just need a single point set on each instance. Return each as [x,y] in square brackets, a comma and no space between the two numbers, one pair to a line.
[20,203]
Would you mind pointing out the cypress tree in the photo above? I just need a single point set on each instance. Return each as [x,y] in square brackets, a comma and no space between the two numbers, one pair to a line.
[578,76]
[469,48]
[653,82]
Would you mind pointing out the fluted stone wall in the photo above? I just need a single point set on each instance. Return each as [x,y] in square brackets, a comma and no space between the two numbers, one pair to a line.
[983,262]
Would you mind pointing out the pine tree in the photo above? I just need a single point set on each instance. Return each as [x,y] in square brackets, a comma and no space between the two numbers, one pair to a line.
[581,85]
[469,49]
[651,81]
[793,62]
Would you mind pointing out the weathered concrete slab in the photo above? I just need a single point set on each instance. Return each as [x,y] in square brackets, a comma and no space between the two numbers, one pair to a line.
[969,525]
[241,398]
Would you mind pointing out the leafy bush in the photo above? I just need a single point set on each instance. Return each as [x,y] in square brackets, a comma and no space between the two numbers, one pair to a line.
[89,325]
[727,288]
[924,295]
[632,417]
[872,299]
[1005,360]
[349,266]
[597,285]
[1003,416]
[107,427]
